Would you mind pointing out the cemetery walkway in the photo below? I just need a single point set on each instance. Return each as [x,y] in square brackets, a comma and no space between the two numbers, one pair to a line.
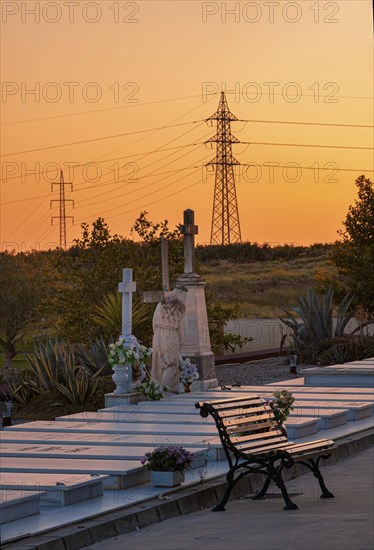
[343,523]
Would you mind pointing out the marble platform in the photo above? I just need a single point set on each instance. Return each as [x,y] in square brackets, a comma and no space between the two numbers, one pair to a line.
[93,443]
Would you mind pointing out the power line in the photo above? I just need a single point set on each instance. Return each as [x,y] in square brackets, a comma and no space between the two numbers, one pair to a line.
[307,145]
[146,187]
[144,196]
[308,123]
[98,139]
[99,110]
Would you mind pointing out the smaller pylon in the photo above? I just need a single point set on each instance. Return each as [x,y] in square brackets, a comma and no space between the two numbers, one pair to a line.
[62,217]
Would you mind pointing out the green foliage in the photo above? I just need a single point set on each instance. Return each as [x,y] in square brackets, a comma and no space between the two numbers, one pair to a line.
[94,357]
[253,252]
[312,322]
[23,387]
[108,314]
[22,283]
[350,348]
[354,254]
[218,316]
[53,366]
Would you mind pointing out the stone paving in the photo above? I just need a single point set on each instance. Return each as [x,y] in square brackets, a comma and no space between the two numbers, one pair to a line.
[343,523]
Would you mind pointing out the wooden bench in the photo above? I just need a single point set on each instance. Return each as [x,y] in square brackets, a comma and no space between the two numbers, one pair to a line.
[254,442]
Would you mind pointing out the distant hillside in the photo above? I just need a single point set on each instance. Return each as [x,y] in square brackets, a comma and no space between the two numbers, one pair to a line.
[260,288]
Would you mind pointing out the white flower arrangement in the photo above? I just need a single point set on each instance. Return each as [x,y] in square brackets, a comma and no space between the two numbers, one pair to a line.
[152,390]
[124,353]
[187,371]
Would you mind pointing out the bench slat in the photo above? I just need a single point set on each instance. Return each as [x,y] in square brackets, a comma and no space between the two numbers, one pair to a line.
[261,443]
[233,411]
[246,419]
[256,436]
[235,401]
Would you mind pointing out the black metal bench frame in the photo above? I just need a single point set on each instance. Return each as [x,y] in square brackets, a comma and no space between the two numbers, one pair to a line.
[253,441]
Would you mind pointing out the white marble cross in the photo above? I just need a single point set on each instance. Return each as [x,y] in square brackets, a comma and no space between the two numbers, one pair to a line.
[127,287]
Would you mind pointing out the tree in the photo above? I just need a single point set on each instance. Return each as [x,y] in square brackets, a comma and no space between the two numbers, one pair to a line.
[21,283]
[354,253]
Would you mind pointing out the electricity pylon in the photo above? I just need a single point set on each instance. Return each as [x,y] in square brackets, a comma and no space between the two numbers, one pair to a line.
[62,217]
[225,217]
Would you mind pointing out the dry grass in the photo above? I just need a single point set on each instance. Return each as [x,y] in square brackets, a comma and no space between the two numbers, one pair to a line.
[261,289]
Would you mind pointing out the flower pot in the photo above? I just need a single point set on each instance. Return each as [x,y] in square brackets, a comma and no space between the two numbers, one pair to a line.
[122,378]
[166,479]
[187,388]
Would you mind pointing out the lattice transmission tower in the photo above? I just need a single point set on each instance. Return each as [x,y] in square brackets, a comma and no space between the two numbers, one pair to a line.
[62,217]
[225,217]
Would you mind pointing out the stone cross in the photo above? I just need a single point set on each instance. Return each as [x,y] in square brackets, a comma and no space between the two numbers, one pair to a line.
[154,296]
[189,230]
[127,287]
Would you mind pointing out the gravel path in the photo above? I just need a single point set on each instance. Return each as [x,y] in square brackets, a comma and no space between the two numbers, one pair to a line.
[256,373]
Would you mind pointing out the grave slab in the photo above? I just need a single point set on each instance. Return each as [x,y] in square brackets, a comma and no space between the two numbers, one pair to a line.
[118,428]
[135,416]
[54,489]
[15,506]
[107,440]
[352,375]
[118,475]
[85,452]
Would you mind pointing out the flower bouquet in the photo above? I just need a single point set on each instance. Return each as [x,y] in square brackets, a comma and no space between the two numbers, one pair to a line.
[151,390]
[123,352]
[187,373]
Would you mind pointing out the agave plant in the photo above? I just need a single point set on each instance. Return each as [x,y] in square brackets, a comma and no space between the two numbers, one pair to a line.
[53,366]
[108,314]
[23,387]
[94,359]
[78,388]
[51,362]
[312,321]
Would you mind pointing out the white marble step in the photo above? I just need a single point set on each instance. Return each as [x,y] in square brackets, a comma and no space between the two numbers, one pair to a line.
[119,474]
[206,430]
[355,410]
[14,505]
[107,440]
[331,396]
[326,419]
[54,489]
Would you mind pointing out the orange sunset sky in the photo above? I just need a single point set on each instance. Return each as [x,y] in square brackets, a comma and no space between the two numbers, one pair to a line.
[144,65]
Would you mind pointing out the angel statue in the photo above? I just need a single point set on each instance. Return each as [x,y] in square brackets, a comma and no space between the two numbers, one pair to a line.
[169,327]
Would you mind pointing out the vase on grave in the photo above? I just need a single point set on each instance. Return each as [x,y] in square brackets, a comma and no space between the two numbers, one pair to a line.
[166,479]
[122,378]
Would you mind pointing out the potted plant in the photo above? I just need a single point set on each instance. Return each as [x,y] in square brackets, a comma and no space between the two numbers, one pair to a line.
[187,373]
[167,465]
